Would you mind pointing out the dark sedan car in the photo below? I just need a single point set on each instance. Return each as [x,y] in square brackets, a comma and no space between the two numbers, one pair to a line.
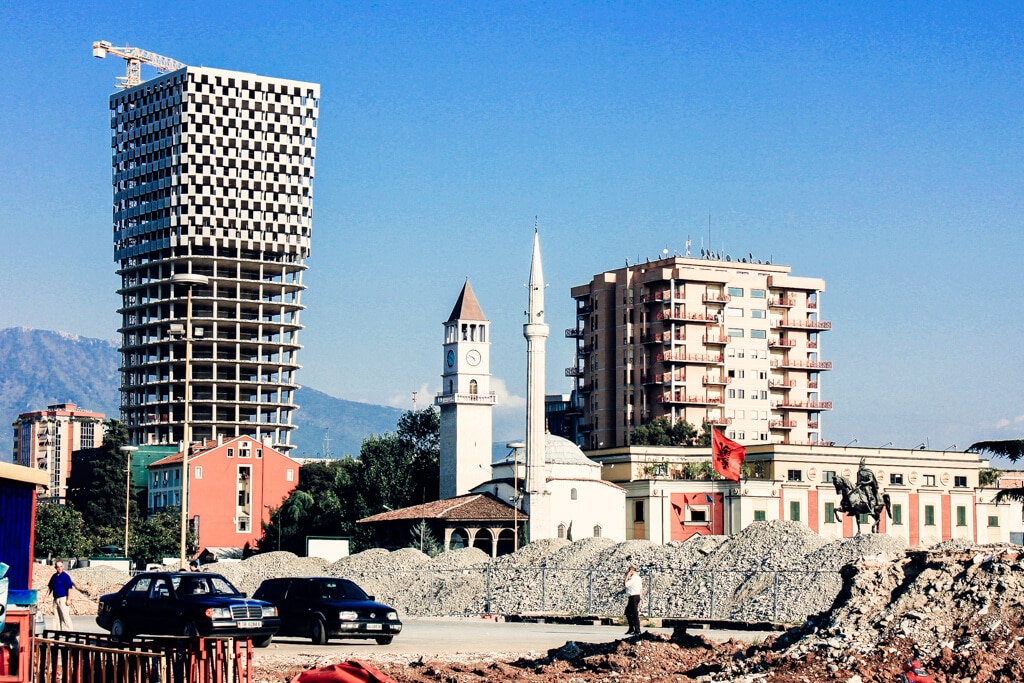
[186,604]
[319,608]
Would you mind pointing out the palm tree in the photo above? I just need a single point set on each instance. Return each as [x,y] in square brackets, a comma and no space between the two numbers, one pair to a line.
[1012,450]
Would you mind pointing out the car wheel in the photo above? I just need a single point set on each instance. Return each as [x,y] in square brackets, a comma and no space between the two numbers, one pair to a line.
[384,640]
[190,630]
[318,632]
[118,631]
[262,642]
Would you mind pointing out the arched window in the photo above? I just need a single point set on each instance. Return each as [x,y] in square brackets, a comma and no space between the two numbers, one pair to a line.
[472,387]
[572,494]
[597,531]
[561,531]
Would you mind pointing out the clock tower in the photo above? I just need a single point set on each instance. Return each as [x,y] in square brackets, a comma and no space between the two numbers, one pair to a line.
[466,398]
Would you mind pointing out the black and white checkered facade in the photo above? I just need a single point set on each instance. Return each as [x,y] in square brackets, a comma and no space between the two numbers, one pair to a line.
[213,176]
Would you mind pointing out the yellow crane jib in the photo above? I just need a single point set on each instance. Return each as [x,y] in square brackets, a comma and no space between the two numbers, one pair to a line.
[134,59]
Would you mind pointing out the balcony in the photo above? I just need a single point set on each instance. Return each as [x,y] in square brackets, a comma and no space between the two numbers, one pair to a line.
[681,357]
[716,381]
[717,340]
[781,424]
[812,425]
[781,343]
[812,305]
[448,399]
[720,421]
[796,442]
[781,383]
[805,324]
[802,364]
[782,302]
[802,405]
[573,372]
[585,309]
[811,344]
[716,298]
[680,397]
[574,333]
[666,377]
[812,385]
[662,337]
[652,297]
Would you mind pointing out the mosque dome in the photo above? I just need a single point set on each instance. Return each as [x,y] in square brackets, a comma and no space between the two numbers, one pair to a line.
[559,451]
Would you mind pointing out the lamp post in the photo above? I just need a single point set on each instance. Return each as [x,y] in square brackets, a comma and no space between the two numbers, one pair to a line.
[189,280]
[515,446]
[127,450]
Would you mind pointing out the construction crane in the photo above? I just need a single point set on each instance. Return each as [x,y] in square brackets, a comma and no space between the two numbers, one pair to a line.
[134,57]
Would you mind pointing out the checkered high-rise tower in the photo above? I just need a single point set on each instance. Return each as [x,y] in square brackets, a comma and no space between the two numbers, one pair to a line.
[213,177]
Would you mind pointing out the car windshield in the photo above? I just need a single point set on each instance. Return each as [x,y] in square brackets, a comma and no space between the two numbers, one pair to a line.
[339,590]
[203,585]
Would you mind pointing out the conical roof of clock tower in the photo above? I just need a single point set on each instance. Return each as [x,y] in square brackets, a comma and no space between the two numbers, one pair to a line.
[467,307]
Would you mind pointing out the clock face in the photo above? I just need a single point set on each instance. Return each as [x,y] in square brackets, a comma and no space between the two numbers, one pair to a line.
[473,357]
[450,358]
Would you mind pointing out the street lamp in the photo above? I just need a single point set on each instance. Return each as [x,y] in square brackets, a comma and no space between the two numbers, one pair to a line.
[189,280]
[515,446]
[127,450]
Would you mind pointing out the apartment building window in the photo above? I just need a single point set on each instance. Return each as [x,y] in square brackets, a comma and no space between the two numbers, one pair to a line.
[764,395]
[231,452]
[896,479]
[794,510]
[828,476]
[830,513]
[754,313]
[199,473]
[929,515]
[740,393]
[737,374]
[993,521]
[731,393]
[897,514]
[757,294]
[638,511]
[795,475]
[759,515]
[961,515]
[734,312]
[929,480]
[735,332]
[289,475]
[960,482]
[735,291]
[758,334]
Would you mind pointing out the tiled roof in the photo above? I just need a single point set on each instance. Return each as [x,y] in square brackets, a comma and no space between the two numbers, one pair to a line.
[473,507]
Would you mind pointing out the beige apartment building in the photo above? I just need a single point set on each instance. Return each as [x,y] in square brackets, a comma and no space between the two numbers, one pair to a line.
[45,439]
[734,343]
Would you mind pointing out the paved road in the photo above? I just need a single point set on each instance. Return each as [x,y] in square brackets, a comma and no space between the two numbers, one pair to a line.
[438,636]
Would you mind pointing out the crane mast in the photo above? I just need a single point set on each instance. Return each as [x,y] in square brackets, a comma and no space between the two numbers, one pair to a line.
[134,59]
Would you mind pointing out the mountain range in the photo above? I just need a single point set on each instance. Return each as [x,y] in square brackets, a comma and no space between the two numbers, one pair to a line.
[40,368]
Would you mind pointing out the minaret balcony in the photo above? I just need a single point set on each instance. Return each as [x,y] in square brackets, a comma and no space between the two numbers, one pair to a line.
[450,399]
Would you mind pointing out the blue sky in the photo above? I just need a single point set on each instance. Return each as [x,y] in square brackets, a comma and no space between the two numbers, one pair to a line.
[875,145]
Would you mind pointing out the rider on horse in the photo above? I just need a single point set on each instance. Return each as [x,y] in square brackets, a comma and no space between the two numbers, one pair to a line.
[868,485]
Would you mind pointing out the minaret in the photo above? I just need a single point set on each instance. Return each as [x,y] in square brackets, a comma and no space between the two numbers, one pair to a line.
[466,399]
[538,499]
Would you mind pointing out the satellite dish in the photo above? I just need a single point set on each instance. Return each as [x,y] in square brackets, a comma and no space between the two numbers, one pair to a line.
[728,258]
[743,260]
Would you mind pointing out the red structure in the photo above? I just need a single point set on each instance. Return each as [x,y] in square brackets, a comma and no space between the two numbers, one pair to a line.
[232,487]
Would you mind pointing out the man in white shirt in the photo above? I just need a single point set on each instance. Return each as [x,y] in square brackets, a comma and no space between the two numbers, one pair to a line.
[634,587]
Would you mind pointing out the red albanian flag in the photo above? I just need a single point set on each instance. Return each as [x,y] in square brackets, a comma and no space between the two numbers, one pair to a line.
[726,455]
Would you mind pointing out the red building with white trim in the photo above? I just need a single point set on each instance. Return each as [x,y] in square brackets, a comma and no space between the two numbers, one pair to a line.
[233,484]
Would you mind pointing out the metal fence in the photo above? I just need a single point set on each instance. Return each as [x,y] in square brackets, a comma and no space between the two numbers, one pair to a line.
[730,594]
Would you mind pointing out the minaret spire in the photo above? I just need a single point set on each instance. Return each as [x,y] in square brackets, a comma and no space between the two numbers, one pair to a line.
[536,332]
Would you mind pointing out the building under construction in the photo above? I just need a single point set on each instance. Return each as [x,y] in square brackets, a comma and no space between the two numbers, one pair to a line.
[212,214]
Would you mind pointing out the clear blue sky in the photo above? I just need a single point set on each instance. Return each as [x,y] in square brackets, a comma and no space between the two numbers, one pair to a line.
[875,145]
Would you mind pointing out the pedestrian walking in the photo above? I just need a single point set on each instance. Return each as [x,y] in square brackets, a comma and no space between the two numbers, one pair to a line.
[60,587]
[634,587]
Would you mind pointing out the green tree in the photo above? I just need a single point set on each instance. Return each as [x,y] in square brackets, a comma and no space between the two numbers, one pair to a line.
[663,432]
[159,536]
[97,478]
[420,430]
[423,540]
[60,531]
[1012,450]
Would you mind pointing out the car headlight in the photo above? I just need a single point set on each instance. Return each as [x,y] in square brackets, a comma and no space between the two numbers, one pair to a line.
[392,616]
[269,611]
[218,612]
[348,615]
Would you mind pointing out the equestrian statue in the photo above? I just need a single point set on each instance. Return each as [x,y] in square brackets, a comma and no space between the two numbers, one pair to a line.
[862,499]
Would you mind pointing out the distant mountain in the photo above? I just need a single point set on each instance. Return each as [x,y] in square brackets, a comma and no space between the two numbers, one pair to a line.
[40,368]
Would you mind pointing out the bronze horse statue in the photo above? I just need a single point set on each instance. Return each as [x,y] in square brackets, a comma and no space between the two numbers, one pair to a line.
[856,501]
